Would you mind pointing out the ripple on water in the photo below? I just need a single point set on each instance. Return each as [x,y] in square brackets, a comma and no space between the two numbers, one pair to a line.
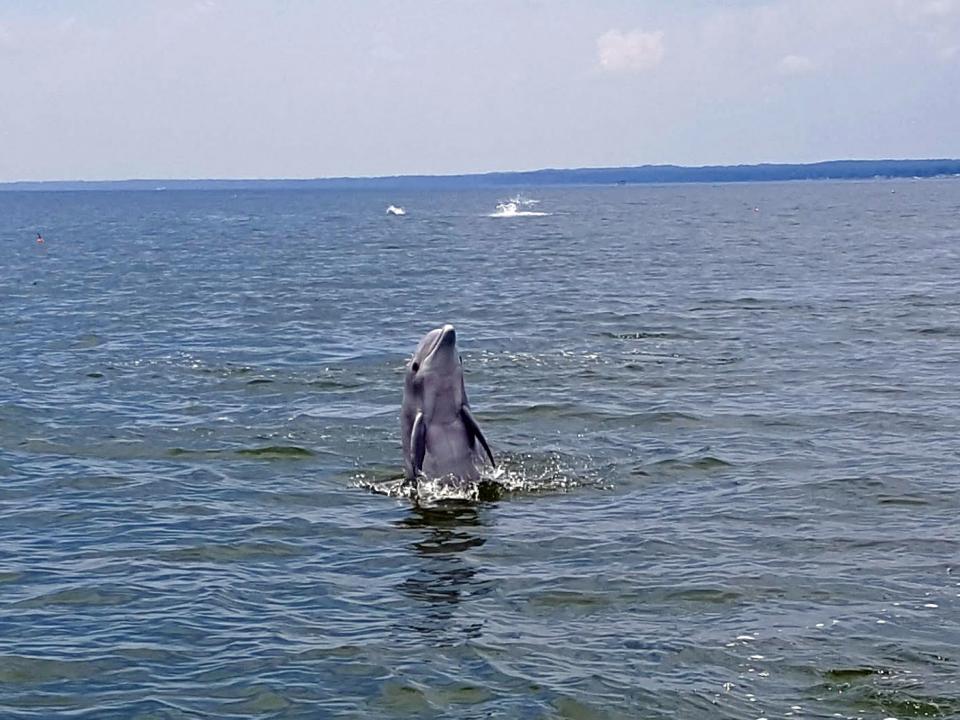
[90,596]
[248,552]
[268,452]
[18,670]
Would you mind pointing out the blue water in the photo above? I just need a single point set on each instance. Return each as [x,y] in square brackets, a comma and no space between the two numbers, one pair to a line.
[726,419]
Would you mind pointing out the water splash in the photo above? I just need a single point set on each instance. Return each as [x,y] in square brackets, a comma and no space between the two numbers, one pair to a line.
[511,208]
[516,475]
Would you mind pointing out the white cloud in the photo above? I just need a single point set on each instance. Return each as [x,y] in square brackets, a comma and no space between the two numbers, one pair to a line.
[938,8]
[795,65]
[634,51]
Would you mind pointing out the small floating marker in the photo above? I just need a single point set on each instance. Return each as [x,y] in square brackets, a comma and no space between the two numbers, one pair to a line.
[39,239]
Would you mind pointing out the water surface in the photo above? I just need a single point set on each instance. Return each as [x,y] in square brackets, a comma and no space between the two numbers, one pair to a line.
[727,417]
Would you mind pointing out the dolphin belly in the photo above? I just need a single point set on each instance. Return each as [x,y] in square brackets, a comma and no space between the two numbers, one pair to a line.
[450,452]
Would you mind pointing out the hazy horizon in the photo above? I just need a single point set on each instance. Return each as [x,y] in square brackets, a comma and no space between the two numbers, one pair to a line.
[198,89]
[508,173]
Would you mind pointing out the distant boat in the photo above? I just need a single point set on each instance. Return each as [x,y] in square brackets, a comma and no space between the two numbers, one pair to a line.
[394,210]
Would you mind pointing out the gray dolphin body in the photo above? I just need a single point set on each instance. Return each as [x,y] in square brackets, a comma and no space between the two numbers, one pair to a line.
[440,435]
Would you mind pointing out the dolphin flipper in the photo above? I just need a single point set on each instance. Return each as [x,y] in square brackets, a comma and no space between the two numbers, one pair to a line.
[418,443]
[473,430]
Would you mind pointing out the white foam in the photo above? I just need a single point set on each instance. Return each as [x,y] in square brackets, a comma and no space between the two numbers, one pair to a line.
[550,474]
[512,209]
[520,200]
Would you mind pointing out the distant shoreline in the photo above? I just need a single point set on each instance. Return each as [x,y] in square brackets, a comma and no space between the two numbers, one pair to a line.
[645,174]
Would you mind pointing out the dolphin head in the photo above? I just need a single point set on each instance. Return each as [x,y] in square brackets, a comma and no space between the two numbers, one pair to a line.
[434,381]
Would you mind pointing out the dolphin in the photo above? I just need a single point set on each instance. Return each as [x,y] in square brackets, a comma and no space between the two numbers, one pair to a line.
[440,435]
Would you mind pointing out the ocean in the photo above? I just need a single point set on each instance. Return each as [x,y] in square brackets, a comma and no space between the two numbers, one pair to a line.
[726,420]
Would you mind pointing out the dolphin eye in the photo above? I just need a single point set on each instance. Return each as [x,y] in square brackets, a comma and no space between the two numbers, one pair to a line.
[415,366]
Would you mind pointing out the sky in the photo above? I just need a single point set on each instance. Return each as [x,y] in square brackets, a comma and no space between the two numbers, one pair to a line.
[115,89]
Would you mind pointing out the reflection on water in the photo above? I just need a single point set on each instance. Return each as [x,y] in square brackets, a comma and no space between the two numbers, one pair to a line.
[445,576]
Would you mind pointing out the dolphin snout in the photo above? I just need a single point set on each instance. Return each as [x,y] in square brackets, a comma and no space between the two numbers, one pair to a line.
[448,335]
